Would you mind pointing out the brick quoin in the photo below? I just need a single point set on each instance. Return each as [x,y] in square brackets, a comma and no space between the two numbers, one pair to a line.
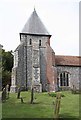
[50,72]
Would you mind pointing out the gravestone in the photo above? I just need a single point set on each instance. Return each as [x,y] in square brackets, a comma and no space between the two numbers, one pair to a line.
[22,100]
[18,93]
[7,91]
[4,95]
[74,89]
[32,95]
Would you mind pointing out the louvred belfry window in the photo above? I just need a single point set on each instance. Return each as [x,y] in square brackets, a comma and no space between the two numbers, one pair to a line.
[39,42]
[30,41]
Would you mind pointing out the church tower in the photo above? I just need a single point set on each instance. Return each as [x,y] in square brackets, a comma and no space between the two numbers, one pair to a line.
[31,57]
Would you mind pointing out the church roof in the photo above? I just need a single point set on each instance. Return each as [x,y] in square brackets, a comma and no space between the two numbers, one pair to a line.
[34,25]
[67,60]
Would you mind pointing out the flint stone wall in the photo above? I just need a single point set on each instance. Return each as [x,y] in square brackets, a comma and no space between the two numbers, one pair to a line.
[75,74]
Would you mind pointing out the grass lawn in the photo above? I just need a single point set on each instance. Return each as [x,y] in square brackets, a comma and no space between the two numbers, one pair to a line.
[42,108]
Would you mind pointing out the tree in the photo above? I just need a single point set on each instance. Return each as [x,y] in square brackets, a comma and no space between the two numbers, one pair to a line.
[7,60]
[7,64]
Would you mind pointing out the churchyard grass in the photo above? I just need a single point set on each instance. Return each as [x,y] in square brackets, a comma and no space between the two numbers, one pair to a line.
[43,106]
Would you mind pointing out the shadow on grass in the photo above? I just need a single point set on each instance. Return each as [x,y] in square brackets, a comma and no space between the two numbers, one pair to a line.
[68,117]
[40,119]
[33,103]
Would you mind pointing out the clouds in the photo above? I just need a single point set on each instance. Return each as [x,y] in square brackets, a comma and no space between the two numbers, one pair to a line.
[60,17]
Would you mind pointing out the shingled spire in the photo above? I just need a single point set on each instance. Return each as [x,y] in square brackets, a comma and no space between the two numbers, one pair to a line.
[34,25]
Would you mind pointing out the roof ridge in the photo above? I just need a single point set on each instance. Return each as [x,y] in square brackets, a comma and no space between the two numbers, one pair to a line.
[67,56]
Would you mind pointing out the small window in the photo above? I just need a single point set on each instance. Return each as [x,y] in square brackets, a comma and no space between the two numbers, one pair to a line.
[39,42]
[30,42]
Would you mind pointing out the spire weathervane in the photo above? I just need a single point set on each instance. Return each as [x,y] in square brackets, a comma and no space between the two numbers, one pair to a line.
[34,8]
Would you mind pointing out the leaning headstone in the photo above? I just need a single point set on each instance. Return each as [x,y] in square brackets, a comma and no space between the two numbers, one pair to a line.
[4,95]
[18,93]
[57,106]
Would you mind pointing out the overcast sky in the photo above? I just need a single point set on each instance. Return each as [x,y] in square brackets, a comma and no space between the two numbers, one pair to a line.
[61,18]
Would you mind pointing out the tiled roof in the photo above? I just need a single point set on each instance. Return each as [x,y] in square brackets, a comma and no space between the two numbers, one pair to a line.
[34,25]
[68,60]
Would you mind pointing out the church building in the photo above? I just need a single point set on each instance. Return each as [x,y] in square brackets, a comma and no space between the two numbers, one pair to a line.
[37,66]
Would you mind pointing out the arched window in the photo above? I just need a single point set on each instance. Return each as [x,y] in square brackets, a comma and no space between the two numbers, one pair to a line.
[64,79]
[39,42]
